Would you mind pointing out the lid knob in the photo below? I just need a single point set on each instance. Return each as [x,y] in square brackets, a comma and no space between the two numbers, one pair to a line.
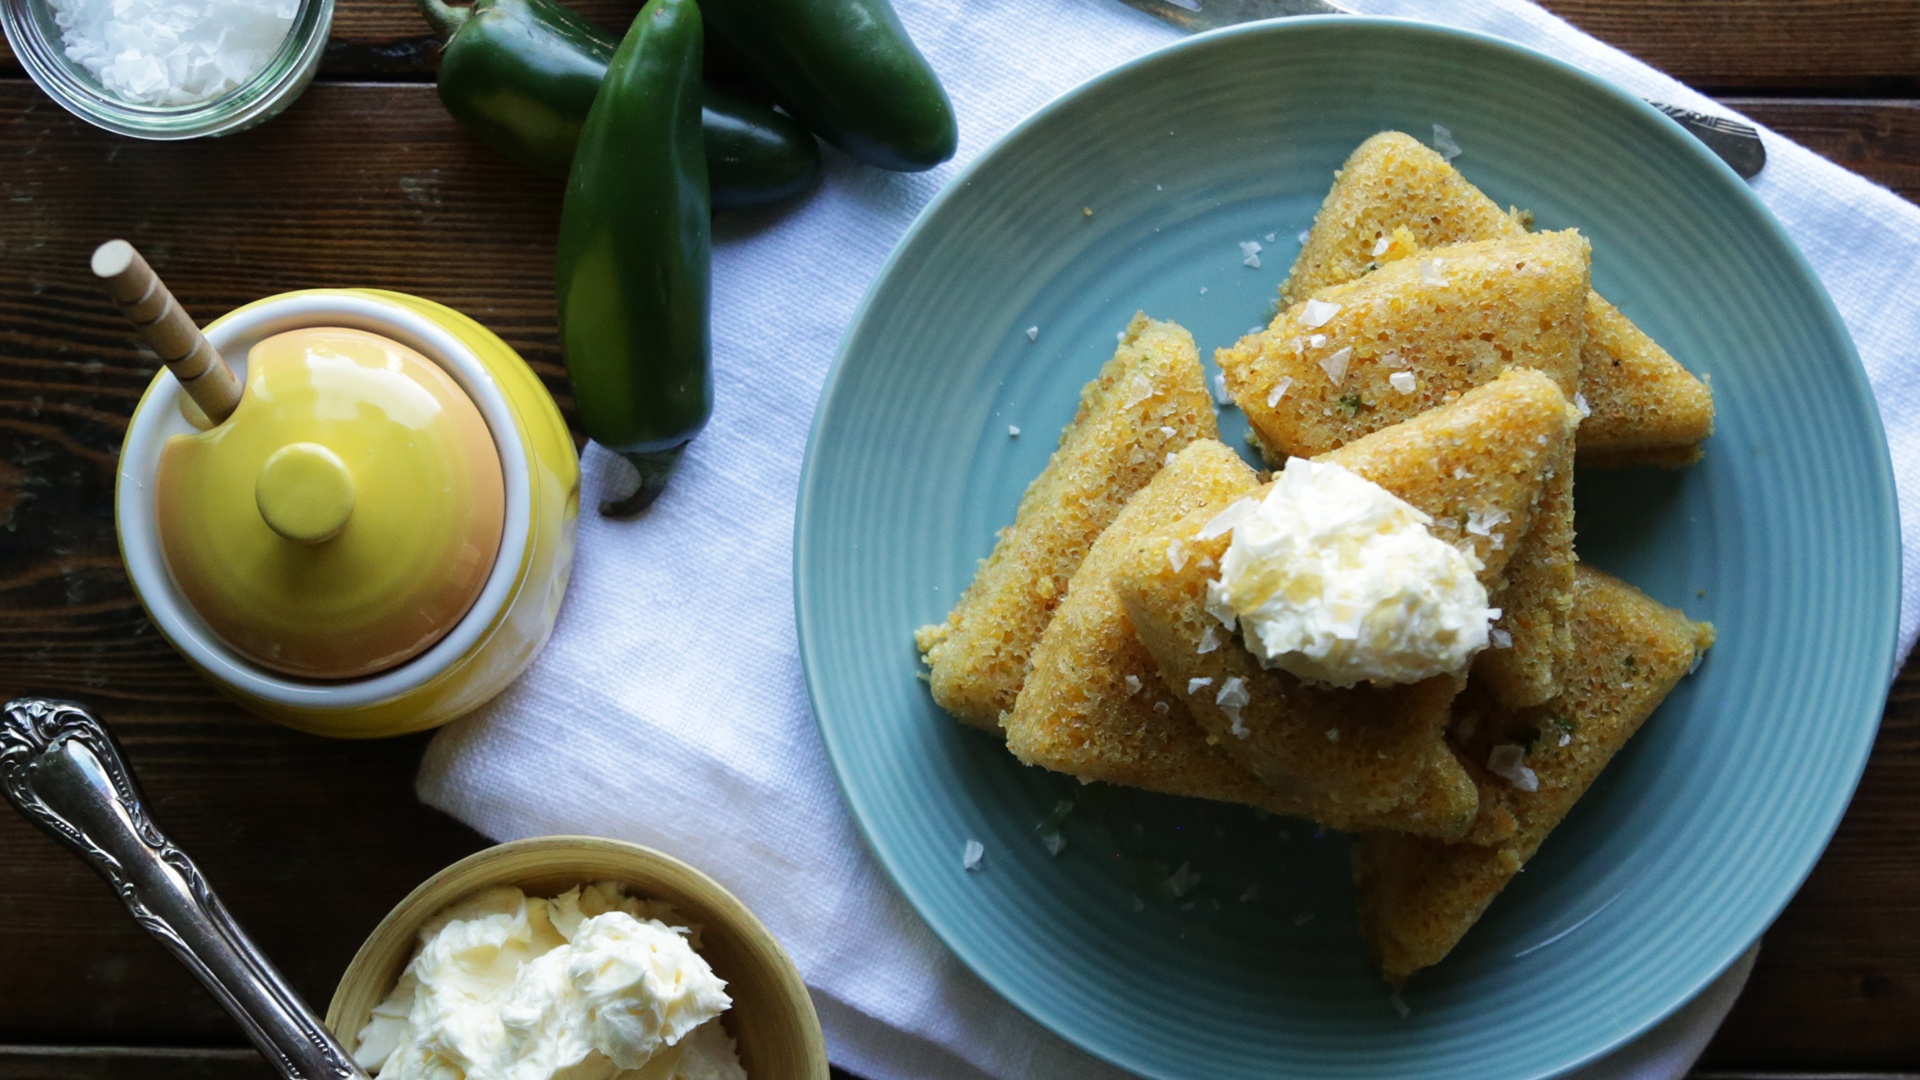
[304,492]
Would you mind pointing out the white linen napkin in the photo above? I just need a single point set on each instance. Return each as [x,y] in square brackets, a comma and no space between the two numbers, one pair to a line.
[731,773]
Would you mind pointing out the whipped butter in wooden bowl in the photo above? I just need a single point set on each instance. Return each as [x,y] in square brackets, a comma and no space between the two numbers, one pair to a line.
[771,1019]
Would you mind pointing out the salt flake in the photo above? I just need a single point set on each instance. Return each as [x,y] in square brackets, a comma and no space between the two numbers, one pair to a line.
[971,855]
[1403,381]
[1335,365]
[1319,313]
[1508,760]
[1430,272]
[1209,641]
[1250,253]
[1279,391]
[1444,144]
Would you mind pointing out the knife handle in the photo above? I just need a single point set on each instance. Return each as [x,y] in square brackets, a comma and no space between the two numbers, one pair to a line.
[60,768]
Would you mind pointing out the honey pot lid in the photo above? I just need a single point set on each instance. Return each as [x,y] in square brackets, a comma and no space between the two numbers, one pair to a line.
[345,517]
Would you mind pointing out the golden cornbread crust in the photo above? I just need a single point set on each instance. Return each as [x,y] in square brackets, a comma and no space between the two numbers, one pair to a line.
[1481,459]
[1418,897]
[1113,447]
[1455,319]
[1647,409]
[1077,713]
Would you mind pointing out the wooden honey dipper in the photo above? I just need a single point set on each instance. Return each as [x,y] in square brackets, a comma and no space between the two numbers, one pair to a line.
[169,331]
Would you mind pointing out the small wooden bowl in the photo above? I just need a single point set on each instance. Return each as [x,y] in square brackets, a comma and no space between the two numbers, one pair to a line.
[772,1019]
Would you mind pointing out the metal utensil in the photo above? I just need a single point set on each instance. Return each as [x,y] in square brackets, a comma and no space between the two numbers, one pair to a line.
[60,768]
[1735,143]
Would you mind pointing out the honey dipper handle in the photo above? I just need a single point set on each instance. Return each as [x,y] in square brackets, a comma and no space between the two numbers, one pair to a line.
[60,768]
[157,317]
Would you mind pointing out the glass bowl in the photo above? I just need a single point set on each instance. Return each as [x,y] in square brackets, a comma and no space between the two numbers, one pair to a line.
[36,40]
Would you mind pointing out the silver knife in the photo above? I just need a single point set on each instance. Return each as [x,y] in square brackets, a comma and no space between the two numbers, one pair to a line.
[1736,143]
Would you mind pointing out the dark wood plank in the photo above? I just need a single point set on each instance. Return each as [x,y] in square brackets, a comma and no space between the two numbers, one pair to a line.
[1847,47]
[1880,140]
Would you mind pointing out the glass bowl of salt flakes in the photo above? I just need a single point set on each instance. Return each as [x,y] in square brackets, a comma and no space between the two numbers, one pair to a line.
[169,69]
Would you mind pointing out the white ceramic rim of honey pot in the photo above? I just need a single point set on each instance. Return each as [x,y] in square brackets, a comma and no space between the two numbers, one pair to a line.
[158,418]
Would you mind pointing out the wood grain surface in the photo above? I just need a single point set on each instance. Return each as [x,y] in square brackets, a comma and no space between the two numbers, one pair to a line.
[365,181]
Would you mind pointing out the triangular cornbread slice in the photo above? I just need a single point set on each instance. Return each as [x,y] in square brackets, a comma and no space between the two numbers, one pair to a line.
[1149,401]
[1418,897]
[1394,196]
[1323,373]
[1417,332]
[1369,756]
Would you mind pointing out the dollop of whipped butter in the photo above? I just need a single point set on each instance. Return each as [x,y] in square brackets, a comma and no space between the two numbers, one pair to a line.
[590,985]
[1337,580]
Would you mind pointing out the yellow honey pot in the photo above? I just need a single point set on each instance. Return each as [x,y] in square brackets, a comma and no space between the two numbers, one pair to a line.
[378,539]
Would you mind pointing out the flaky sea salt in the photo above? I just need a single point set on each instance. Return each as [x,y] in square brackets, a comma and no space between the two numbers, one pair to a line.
[1209,640]
[1176,555]
[1250,253]
[1133,685]
[1500,639]
[1279,391]
[1509,760]
[1580,402]
[1443,143]
[1430,273]
[172,52]
[1033,333]
[1403,381]
[1318,313]
[1180,882]
[1012,432]
[1380,246]
[1194,686]
[1335,365]
[971,855]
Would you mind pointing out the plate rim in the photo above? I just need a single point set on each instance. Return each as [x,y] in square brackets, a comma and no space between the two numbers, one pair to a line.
[1856,384]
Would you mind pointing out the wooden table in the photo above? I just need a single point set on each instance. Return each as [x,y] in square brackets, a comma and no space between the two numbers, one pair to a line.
[365,180]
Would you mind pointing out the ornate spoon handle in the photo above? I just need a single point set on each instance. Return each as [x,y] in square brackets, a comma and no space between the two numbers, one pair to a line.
[60,767]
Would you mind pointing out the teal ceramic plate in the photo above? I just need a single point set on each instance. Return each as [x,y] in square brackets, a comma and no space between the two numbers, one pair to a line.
[1181,939]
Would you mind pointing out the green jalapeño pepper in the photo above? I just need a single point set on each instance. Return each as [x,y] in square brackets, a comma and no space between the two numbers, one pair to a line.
[634,269]
[521,75]
[846,69]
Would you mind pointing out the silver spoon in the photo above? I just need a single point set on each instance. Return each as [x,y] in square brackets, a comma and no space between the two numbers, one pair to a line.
[60,768]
